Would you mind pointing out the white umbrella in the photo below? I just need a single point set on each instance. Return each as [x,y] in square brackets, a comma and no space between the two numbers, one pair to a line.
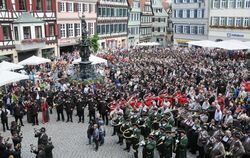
[94,60]
[34,60]
[9,66]
[9,77]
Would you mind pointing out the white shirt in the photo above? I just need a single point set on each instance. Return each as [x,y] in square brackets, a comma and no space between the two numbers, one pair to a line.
[218,115]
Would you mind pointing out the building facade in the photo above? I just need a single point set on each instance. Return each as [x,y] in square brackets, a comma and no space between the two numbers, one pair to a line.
[159,23]
[112,23]
[27,27]
[229,19]
[190,20]
[69,13]
[146,20]
[134,21]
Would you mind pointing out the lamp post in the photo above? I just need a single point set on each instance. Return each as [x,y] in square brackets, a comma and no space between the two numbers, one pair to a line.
[86,69]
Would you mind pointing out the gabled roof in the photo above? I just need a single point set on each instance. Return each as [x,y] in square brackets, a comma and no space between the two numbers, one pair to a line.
[27,18]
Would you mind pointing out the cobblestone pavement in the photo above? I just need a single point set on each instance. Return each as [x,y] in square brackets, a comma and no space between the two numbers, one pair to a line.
[70,140]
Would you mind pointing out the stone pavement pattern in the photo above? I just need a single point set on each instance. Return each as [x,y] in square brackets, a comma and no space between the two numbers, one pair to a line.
[70,140]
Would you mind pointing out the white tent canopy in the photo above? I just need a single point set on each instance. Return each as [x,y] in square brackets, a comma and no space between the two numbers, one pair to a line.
[94,60]
[232,45]
[9,66]
[148,44]
[34,60]
[10,77]
[228,45]
[204,43]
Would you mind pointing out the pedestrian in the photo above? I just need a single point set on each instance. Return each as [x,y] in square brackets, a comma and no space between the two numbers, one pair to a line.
[18,114]
[96,136]
[4,118]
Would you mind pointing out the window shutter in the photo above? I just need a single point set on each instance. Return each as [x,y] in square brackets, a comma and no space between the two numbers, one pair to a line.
[94,28]
[53,5]
[1,34]
[75,30]
[89,24]
[34,5]
[90,8]
[28,5]
[56,29]
[17,5]
[75,7]
[67,30]
[8,5]
[67,6]
[59,6]
[46,30]
[44,5]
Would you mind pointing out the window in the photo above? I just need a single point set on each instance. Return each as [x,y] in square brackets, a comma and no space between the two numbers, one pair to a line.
[22,4]
[70,7]
[16,33]
[111,28]
[193,30]
[247,3]
[223,3]
[180,13]
[112,13]
[70,30]
[6,32]
[238,22]
[2,4]
[51,30]
[216,4]
[230,21]
[184,14]
[49,4]
[62,30]
[223,21]
[186,29]
[38,31]
[26,32]
[201,30]
[107,12]
[231,4]
[62,7]
[215,21]
[91,28]
[239,4]
[103,29]
[98,29]
[78,29]
[246,21]
[199,13]
[79,7]
[179,29]
[192,13]
[85,7]
[38,4]
[103,11]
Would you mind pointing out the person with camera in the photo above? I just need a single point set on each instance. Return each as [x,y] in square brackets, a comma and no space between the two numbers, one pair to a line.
[42,136]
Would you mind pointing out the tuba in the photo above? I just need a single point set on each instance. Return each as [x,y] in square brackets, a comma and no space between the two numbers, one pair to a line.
[128,133]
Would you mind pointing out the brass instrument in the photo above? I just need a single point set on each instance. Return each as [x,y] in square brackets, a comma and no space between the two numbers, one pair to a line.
[115,124]
[128,133]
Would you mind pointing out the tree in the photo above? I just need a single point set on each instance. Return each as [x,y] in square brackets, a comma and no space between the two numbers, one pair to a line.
[94,43]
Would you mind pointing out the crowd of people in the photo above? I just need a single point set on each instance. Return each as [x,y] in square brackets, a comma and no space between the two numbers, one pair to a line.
[168,100]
